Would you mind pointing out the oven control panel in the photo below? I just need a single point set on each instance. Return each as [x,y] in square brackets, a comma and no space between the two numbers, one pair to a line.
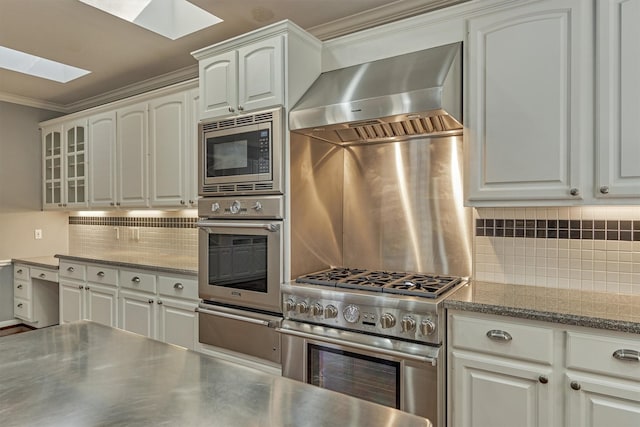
[400,322]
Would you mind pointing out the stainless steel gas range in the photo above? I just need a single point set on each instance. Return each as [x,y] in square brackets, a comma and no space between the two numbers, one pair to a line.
[373,334]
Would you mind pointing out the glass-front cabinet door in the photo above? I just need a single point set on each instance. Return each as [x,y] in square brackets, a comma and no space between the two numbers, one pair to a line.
[75,164]
[52,163]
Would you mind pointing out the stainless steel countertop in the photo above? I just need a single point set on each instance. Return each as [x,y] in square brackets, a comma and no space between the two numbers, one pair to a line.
[86,374]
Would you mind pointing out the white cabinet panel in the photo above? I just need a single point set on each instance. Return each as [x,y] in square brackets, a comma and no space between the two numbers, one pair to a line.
[71,301]
[178,323]
[618,98]
[219,84]
[137,313]
[102,160]
[132,156]
[529,102]
[261,74]
[101,304]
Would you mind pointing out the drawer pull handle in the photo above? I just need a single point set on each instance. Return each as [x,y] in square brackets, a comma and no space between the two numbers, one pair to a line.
[136,279]
[42,275]
[178,286]
[100,274]
[19,286]
[71,269]
[498,335]
[627,355]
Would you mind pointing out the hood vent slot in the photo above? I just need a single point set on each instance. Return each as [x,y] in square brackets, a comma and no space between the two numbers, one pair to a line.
[402,97]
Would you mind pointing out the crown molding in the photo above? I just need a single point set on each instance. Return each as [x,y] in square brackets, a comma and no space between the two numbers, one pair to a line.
[31,102]
[394,11]
[138,88]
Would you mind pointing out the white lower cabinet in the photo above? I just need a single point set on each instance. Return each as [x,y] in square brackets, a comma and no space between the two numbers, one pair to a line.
[512,372]
[35,295]
[177,322]
[137,313]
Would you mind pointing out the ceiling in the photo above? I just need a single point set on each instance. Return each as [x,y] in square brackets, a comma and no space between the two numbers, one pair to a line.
[120,55]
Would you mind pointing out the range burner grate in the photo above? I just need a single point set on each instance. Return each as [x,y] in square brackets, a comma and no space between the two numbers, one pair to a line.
[412,284]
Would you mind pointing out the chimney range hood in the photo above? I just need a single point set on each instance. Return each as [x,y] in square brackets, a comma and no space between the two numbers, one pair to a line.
[391,99]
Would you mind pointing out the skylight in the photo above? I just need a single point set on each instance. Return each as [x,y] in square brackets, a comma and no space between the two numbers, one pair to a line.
[26,63]
[169,18]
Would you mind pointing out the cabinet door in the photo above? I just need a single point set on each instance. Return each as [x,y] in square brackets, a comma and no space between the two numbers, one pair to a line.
[618,98]
[219,85]
[178,323]
[71,301]
[137,313]
[168,151]
[261,74]
[489,391]
[102,160]
[101,304]
[132,156]
[75,144]
[601,402]
[52,158]
[529,92]
[192,147]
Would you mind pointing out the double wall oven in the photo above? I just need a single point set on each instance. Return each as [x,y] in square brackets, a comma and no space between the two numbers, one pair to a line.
[240,235]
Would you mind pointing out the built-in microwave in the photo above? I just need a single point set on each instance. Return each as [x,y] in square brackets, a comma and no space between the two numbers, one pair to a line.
[242,154]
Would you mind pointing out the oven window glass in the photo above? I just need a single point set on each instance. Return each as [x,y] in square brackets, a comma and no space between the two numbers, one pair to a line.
[365,377]
[245,153]
[238,261]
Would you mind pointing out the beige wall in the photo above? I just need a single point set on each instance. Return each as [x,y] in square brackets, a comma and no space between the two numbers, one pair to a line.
[21,187]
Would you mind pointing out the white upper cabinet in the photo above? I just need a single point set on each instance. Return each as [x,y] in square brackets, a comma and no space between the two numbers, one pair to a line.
[618,95]
[267,67]
[246,79]
[529,102]
[64,165]
[169,150]
[102,160]
[132,131]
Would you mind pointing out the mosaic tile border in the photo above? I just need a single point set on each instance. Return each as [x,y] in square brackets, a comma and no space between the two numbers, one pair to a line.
[134,221]
[623,230]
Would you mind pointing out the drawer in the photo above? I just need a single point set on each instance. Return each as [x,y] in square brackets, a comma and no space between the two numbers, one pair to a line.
[21,272]
[595,353]
[73,270]
[180,287]
[43,274]
[101,274]
[22,309]
[138,281]
[502,337]
[22,289]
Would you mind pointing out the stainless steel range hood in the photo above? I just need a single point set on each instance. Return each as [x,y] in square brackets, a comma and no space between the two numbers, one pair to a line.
[396,98]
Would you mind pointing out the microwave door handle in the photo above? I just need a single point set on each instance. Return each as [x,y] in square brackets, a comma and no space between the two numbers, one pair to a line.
[206,225]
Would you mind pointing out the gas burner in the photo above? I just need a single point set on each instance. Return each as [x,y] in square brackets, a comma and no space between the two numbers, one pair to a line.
[361,282]
[422,285]
[329,277]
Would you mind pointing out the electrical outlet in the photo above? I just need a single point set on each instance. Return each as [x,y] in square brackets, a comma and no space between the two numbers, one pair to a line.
[37,234]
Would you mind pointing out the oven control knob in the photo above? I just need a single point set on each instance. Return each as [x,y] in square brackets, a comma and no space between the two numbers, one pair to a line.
[289,305]
[316,309]
[235,207]
[330,312]
[215,207]
[257,206]
[427,327]
[302,307]
[351,313]
[387,320]
[407,324]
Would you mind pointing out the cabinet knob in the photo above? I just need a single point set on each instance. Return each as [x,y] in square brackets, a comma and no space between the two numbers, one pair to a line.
[70,269]
[604,189]
[19,271]
[150,301]
[159,302]
[80,287]
[231,110]
[136,280]
[19,286]
[112,204]
[543,379]
[117,203]
[87,288]
[498,335]
[574,192]
[100,274]
[240,108]
[575,385]
[182,202]
[42,275]
[20,305]
[178,286]
[191,202]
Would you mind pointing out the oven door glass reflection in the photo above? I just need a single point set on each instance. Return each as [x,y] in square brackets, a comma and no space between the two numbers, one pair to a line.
[238,261]
[369,378]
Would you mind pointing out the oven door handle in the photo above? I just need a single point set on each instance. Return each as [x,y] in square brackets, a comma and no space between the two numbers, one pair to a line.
[206,225]
[260,322]
[393,353]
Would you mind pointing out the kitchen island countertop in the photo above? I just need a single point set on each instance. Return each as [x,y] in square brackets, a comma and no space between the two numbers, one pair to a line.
[87,374]
[617,312]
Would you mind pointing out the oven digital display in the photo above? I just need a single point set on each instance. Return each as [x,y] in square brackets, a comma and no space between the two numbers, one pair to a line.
[230,155]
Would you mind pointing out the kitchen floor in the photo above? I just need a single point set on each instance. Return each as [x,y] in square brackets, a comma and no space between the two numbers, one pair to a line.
[15,329]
